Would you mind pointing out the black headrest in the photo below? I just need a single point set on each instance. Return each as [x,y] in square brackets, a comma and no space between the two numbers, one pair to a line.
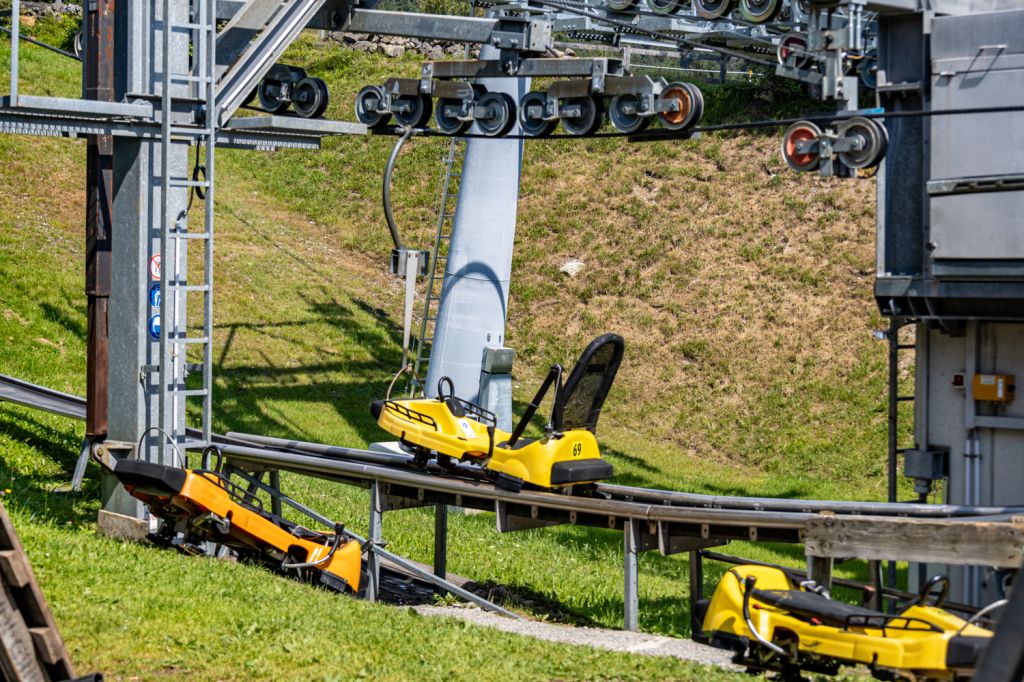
[583,393]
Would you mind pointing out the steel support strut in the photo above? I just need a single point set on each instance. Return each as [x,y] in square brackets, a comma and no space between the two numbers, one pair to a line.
[631,597]
[441,540]
[696,566]
[372,560]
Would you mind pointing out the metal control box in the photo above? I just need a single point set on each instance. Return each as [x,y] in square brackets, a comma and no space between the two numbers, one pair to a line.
[993,388]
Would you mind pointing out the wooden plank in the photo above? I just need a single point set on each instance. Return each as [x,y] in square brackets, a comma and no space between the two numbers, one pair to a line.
[14,568]
[959,542]
[49,646]
[18,661]
[27,622]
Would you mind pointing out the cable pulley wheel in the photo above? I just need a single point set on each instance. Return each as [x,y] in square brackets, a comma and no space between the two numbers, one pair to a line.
[269,93]
[663,6]
[623,113]
[446,116]
[759,11]
[310,98]
[619,5]
[874,141]
[868,70]
[698,104]
[712,9]
[530,123]
[801,131]
[502,114]
[689,110]
[590,118]
[367,102]
[792,51]
[413,111]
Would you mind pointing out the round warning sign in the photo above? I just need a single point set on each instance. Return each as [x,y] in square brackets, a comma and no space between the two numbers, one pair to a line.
[154,267]
[154,296]
[154,327]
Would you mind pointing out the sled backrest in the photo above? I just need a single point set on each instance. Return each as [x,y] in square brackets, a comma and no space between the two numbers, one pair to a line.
[578,403]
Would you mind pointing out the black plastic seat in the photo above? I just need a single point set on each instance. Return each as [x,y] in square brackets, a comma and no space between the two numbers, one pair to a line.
[811,605]
[578,401]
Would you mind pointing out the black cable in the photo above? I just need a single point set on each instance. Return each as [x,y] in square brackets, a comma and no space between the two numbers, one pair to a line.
[817,118]
[42,44]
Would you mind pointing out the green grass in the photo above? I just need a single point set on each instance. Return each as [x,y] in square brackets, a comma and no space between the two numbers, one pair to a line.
[207,619]
[749,371]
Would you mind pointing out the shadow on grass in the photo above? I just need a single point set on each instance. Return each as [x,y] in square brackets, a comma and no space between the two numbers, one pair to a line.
[670,615]
[792,493]
[44,494]
[74,323]
[247,392]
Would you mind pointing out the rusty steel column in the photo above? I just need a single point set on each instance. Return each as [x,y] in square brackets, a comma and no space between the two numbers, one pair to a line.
[98,84]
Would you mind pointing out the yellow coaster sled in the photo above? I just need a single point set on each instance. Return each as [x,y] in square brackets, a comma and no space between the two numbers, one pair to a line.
[773,624]
[205,506]
[566,455]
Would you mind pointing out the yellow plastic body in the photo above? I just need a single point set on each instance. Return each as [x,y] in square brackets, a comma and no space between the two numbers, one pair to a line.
[919,651]
[467,438]
[203,493]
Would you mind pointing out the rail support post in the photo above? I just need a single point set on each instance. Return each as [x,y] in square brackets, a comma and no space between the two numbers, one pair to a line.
[696,593]
[372,562]
[631,597]
[875,577]
[441,541]
[819,569]
[275,483]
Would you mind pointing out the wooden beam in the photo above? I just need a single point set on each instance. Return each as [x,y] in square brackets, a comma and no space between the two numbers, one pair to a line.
[960,542]
[31,647]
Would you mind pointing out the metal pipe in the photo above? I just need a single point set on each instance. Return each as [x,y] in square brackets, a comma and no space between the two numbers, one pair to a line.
[375,530]
[661,497]
[328,468]
[15,38]
[894,404]
[631,578]
[907,509]
[386,193]
[339,452]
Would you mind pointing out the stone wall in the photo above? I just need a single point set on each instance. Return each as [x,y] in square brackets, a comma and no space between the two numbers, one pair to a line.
[394,46]
[50,9]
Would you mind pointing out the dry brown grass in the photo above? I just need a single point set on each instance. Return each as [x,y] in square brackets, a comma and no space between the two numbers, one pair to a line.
[729,276]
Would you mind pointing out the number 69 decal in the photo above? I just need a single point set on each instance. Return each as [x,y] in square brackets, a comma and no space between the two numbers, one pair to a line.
[577,449]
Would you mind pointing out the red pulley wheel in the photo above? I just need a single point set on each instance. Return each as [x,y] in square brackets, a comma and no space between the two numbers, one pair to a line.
[802,131]
[683,118]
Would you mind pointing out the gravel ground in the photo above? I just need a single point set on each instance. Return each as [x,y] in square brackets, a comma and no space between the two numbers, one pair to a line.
[614,640]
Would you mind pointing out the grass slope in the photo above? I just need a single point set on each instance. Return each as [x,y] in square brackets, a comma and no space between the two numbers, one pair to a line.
[743,292]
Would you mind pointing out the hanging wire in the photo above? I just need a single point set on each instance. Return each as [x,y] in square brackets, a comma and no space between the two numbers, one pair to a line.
[51,48]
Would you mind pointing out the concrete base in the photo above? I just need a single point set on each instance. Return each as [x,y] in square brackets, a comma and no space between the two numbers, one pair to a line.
[121,527]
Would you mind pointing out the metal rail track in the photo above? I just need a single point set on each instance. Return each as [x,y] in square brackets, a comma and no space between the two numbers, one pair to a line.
[660,497]
[669,521]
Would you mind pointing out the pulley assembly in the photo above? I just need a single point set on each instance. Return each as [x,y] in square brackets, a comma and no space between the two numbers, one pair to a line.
[287,86]
[856,143]
[589,92]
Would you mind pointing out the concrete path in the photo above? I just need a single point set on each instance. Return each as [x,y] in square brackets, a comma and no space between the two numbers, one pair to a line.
[614,640]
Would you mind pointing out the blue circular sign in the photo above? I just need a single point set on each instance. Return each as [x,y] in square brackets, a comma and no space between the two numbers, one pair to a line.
[154,296]
[154,327]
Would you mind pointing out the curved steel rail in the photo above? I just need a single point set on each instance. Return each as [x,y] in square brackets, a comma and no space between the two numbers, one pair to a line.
[399,469]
